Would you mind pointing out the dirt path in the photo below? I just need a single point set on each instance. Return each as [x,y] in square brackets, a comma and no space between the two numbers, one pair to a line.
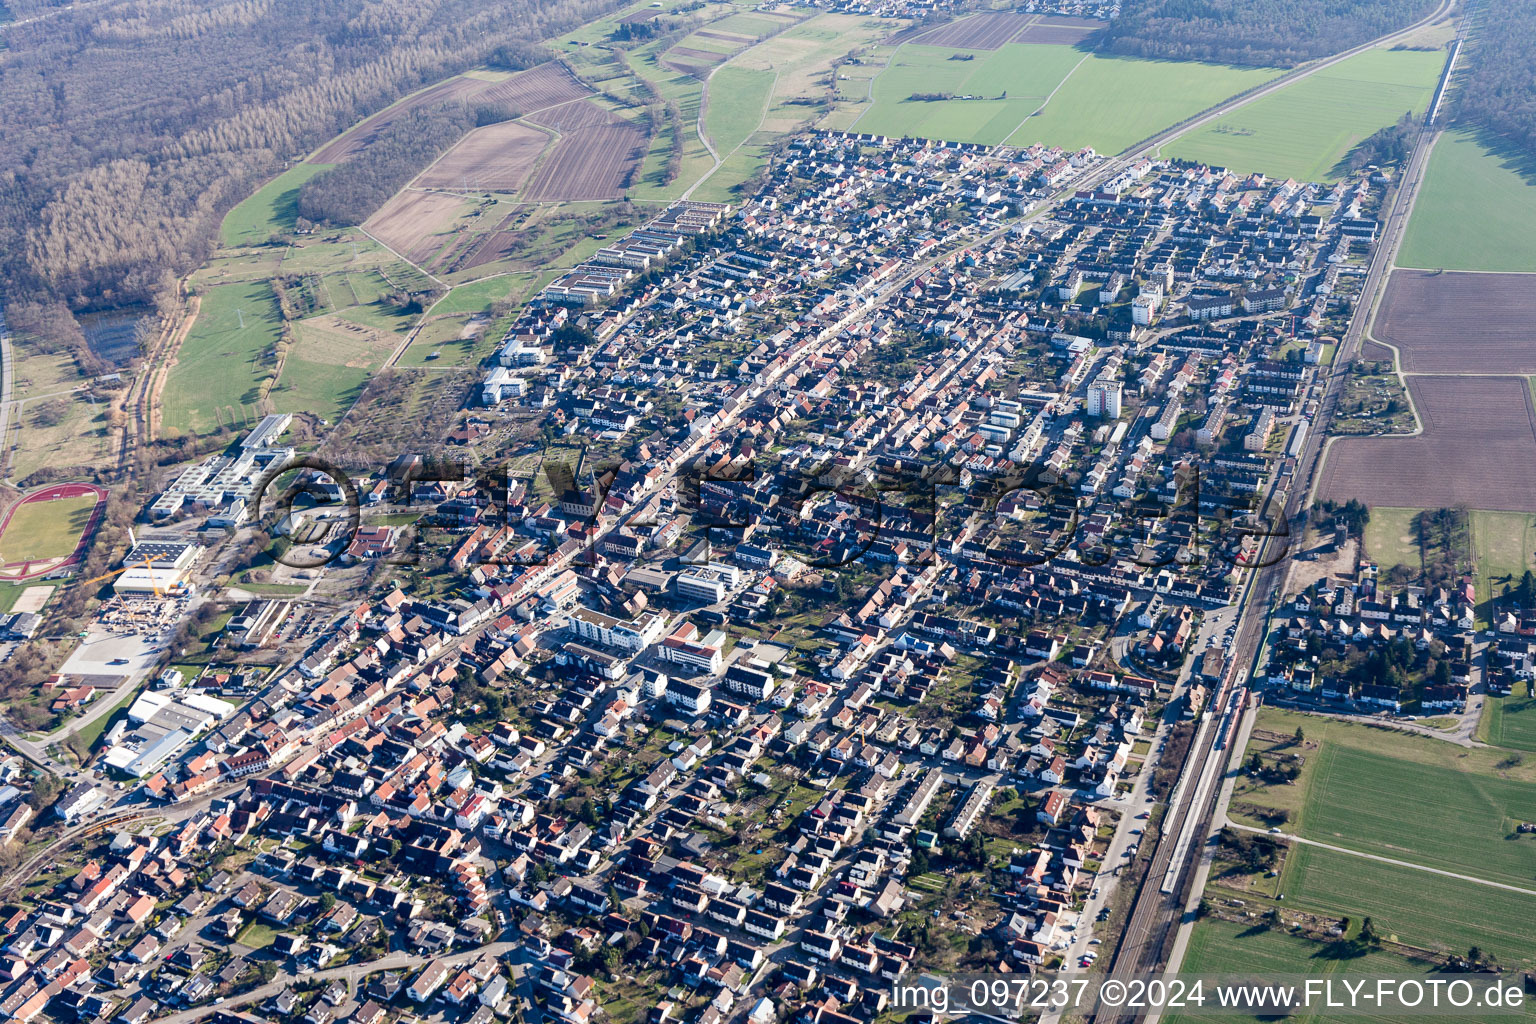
[1382,860]
[141,406]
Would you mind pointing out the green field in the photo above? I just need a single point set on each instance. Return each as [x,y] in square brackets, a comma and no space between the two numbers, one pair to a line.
[323,389]
[270,210]
[1439,817]
[1510,721]
[438,343]
[738,98]
[1007,85]
[1221,947]
[478,296]
[1451,807]
[214,380]
[1423,910]
[1306,129]
[688,93]
[1504,544]
[46,529]
[1391,538]
[1476,209]
[1111,103]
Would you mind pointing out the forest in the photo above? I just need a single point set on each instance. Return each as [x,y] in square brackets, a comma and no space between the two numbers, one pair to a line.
[350,192]
[132,126]
[1497,86]
[1258,33]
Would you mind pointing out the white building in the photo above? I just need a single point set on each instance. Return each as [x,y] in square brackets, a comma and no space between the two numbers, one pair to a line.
[222,479]
[1263,426]
[501,384]
[1104,398]
[709,583]
[633,636]
[1163,429]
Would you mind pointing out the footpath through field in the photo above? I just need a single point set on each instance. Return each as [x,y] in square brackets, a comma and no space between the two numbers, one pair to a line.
[1384,860]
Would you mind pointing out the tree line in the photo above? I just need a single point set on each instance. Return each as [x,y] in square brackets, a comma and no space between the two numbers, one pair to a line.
[132,129]
[348,193]
[1257,33]
[1496,84]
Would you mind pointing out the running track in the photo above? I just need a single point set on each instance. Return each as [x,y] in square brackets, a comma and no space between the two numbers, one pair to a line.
[51,493]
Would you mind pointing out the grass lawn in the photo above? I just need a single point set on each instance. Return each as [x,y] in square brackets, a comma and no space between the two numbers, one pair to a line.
[1420,909]
[325,389]
[92,733]
[1221,947]
[1111,103]
[1391,539]
[272,209]
[1305,130]
[59,432]
[1504,544]
[1510,722]
[274,589]
[1005,86]
[688,93]
[438,344]
[1451,807]
[1454,820]
[477,296]
[46,529]
[214,379]
[725,185]
[738,98]
[256,935]
[1476,209]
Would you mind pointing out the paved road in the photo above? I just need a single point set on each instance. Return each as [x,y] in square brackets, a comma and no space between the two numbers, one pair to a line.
[352,973]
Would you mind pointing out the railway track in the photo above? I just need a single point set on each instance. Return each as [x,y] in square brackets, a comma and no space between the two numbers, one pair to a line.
[19,877]
[1165,888]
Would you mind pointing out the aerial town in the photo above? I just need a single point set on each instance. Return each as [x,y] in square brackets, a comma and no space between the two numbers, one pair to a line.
[903,500]
[920,558]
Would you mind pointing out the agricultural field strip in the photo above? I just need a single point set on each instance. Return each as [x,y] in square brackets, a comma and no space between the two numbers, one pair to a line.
[1468,444]
[1384,860]
[1423,318]
[1438,916]
[1049,96]
[1475,211]
[1451,803]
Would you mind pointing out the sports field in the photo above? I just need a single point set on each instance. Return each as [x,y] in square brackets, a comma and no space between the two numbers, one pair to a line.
[1111,103]
[41,529]
[1476,209]
[271,209]
[213,382]
[1306,129]
[1510,721]
[1005,86]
